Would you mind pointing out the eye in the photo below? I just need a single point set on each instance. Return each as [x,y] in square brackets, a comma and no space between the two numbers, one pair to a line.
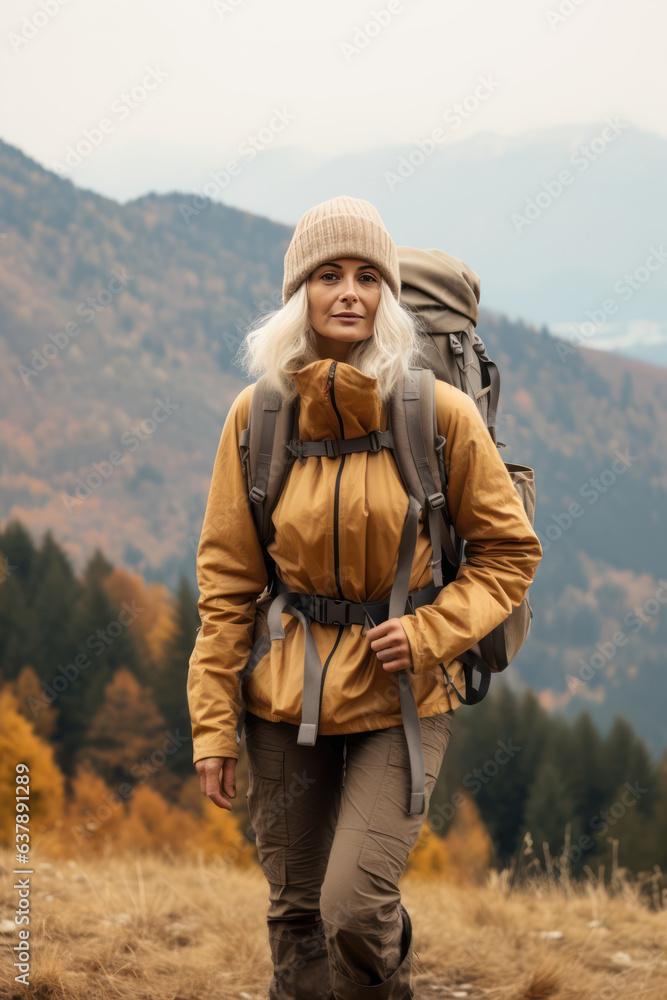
[368,275]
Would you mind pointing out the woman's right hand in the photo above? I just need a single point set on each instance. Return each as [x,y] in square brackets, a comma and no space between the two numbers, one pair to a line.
[217,779]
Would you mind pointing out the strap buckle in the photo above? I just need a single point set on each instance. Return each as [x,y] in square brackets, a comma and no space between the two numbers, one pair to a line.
[436,501]
[340,609]
[329,610]
[257,495]
[374,439]
[332,448]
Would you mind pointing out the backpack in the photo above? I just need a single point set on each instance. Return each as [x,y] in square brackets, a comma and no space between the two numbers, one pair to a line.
[444,294]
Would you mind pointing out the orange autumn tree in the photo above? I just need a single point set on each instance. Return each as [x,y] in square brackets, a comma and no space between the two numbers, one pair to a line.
[126,738]
[153,627]
[20,744]
[29,694]
[135,818]
[463,856]
[94,816]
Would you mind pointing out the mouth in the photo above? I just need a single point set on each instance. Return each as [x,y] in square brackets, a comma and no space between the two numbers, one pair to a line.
[347,315]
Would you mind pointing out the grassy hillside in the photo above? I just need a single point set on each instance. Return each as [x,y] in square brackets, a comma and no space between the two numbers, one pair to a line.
[149,929]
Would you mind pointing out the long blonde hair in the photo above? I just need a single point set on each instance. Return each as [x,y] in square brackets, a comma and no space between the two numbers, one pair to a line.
[283,341]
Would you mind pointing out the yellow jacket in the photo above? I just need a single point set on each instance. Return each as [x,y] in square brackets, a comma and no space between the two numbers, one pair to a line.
[338,524]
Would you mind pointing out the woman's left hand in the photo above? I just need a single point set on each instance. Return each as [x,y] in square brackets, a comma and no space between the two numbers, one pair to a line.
[390,644]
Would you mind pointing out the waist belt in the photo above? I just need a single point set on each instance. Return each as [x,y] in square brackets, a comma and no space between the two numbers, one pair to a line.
[333,611]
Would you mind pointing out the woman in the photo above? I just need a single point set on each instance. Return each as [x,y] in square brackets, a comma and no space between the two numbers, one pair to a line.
[331,819]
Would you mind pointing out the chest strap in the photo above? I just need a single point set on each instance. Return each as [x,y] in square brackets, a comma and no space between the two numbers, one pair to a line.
[373,441]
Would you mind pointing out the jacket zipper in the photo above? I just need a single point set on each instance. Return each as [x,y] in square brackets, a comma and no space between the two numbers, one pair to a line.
[329,392]
[330,387]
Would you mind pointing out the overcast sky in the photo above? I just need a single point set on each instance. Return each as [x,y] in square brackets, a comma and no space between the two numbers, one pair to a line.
[346,76]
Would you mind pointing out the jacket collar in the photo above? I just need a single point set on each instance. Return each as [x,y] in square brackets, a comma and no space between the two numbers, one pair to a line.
[353,395]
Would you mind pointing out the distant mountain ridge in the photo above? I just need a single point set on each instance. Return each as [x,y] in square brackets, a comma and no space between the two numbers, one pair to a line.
[110,441]
[465,196]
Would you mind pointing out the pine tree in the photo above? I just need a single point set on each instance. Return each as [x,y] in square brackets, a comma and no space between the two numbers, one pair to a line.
[581,759]
[97,568]
[494,749]
[658,831]
[170,690]
[549,808]
[626,758]
[104,641]
[54,591]
[15,628]
[19,550]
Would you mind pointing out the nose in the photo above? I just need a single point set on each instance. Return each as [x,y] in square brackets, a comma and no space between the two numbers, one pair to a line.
[347,291]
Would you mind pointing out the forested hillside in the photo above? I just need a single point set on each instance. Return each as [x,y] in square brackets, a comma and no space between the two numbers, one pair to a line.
[119,326]
[93,699]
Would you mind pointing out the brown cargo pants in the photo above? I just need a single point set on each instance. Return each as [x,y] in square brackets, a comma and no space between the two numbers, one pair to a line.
[333,836]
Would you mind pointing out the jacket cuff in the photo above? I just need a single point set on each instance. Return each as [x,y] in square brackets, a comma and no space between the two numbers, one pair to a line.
[422,660]
[217,748]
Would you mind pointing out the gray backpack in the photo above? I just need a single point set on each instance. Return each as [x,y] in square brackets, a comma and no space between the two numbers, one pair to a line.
[444,294]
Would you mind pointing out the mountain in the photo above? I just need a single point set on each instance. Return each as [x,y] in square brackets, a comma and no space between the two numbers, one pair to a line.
[550,250]
[119,326]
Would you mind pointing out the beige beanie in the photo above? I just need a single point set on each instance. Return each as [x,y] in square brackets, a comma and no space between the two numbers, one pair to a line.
[341,227]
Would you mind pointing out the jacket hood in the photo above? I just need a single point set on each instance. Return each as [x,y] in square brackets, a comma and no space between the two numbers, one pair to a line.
[351,408]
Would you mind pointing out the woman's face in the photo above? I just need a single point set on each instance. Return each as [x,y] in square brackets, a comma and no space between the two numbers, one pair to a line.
[343,298]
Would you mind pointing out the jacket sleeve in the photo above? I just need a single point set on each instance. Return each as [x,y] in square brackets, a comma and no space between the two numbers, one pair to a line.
[231,574]
[502,550]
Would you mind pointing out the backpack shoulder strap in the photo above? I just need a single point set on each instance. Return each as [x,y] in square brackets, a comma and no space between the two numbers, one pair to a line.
[419,455]
[264,454]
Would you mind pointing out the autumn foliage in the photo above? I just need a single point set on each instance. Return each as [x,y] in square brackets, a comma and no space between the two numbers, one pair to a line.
[463,856]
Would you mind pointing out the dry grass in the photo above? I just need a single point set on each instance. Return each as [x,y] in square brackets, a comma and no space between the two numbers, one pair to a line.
[153,929]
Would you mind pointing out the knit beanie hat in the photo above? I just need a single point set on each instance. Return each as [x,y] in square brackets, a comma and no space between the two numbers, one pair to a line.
[341,227]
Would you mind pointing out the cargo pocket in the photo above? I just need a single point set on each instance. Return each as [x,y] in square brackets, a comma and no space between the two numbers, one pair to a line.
[392,831]
[436,733]
[267,810]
